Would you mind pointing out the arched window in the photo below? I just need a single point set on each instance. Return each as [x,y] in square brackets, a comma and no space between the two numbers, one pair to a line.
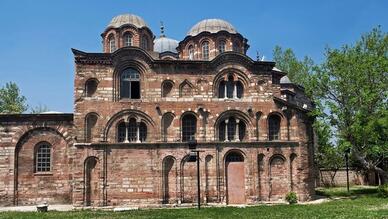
[236,46]
[90,123]
[130,84]
[189,127]
[191,52]
[131,131]
[221,46]
[112,43]
[231,129]
[91,87]
[144,43]
[274,127]
[166,88]
[127,39]
[205,50]
[230,88]
[166,123]
[43,157]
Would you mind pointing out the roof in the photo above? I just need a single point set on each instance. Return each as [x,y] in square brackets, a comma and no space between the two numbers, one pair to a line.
[164,44]
[125,19]
[211,26]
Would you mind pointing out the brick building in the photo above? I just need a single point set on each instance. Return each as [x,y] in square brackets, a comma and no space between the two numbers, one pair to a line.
[139,103]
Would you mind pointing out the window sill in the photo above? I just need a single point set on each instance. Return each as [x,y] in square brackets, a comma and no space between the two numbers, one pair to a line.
[130,100]
[43,174]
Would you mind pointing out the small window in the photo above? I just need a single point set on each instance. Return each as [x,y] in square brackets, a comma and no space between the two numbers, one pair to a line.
[205,50]
[274,127]
[127,39]
[91,87]
[43,157]
[221,46]
[144,43]
[189,127]
[191,52]
[130,84]
[112,44]
[236,46]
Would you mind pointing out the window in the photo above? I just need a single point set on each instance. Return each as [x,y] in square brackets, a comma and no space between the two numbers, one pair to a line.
[236,46]
[191,52]
[274,127]
[221,46]
[230,88]
[90,123]
[131,131]
[144,43]
[189,127]
[130,84]
[231,129]
[112,44]
[91,87]
[166,123]
[43,157]
[127,39]
[205,50]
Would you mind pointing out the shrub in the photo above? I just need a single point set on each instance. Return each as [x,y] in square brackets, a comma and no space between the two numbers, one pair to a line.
[382,191]
[291,198]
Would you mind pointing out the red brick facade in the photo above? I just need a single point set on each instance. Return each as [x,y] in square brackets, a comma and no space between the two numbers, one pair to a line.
[124,150]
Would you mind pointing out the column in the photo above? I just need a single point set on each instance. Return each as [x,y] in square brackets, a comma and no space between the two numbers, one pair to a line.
[234,89]
[138,132]
[237,132]
[226,129]
[126,132]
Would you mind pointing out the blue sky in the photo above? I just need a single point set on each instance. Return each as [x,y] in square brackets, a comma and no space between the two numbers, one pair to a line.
[36,36]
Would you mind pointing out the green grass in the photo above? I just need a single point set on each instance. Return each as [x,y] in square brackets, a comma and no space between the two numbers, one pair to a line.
[362,203]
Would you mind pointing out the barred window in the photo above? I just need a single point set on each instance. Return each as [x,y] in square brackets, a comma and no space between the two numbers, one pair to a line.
[127,39]
[132,130]
[221,46]
[144,43]
[112,44]
[274,127]
[121,129]
[205,50]
[43,157]
[189,127]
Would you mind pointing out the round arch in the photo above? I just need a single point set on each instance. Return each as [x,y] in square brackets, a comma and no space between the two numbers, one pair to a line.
[237,74]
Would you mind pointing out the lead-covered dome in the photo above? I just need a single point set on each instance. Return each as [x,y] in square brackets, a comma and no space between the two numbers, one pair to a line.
[164,44]
[125,19]
[212,26]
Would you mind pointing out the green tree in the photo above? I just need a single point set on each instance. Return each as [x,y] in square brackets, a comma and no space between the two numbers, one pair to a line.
[11,101]
[352,83]
[39,109]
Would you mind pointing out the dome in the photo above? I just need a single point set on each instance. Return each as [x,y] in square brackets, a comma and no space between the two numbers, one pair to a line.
[123,19]
[164,44]
[212,26]
[285,80]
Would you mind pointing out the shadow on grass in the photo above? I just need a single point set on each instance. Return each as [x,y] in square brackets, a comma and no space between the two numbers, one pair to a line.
[333,192]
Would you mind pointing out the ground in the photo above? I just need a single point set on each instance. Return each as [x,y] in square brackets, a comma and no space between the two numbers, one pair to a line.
[361,202]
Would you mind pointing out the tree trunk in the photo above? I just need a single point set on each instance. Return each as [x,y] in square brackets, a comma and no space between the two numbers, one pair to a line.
[366,165]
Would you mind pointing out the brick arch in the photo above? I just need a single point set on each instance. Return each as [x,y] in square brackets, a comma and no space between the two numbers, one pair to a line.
[130,113]
[169,180]
[238,115]
[237,75]
[165,82]
[182,85]
[278,177]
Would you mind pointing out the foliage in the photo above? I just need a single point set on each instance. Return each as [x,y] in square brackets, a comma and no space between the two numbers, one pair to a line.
[333,192]
[352,83]
[291,198]
[39,109]
[11,101]
[382,191]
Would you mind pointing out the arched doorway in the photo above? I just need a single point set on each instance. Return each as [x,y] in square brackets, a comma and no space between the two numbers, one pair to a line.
[91,181]
[278,177]
[235,178]
[169,180]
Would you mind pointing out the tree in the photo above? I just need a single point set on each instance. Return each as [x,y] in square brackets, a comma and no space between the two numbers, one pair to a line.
[39,109]
[352,83]
[11,101]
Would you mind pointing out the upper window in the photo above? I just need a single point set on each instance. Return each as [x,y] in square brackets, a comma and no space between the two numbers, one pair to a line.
[230,89]
[131,131]
[189,127]
[127,39]
[130,84]
[274,127]
[91,87]
[112,43]
[205,50]
[43,157]
[231,129]
[221,46]
[191,52]
[236,46]
[144,43]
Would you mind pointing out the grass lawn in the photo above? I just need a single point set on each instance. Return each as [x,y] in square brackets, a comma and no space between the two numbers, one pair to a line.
[360,203]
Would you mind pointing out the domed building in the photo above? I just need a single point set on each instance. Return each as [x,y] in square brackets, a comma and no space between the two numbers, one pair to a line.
[143,106]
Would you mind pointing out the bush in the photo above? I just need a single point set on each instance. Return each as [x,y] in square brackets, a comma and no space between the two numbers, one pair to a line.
[382,191]
[291,198]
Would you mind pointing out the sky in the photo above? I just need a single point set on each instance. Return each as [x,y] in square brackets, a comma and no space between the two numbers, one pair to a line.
[36,36]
